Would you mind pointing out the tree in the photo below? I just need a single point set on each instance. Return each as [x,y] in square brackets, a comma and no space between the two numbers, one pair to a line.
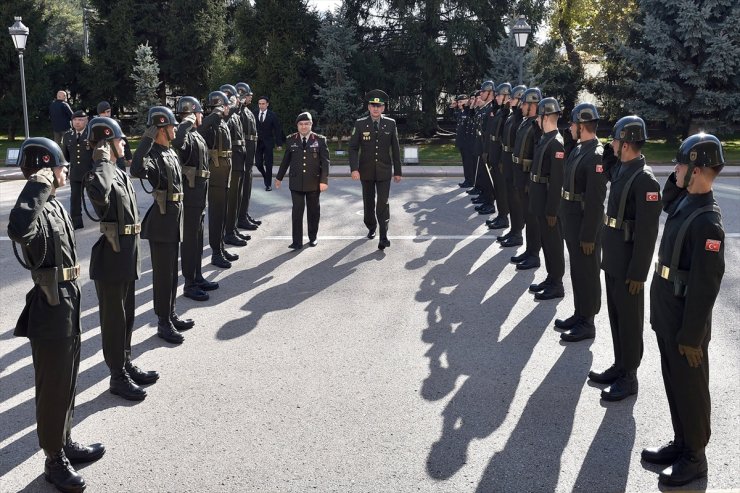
[556,76]
[337,43]
[505,63]
[146,78]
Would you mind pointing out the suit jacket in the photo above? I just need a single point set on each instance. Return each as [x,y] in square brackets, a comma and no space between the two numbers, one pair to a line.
[78,154]
[269,131]
[309,166]
[376,155]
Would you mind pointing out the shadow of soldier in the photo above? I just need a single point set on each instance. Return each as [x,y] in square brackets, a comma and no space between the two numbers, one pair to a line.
[303,286]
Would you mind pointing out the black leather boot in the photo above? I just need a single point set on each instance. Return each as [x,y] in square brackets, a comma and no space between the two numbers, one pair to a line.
[122,385]
[138,375]
[581,331]
[690,466]
[220,261]
[608,376]
[623,387]
[168,332]
[181,324]
[77,453]
[230,256]
[666,454]
[59,472]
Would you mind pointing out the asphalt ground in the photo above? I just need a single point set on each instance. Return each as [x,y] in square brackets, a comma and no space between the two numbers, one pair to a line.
[427,367]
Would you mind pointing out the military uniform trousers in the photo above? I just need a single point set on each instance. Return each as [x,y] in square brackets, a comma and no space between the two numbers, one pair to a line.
[247,182]
[164,276]
[467,153]
[75,202]
[516,211]
[378,215]
[585,270]
[56,363]
[499,183]
[550,236]
[483,180]
[236,188]
[308,201]
[626,315]
[218,192]
[116,303]
[533,239]
[191,254]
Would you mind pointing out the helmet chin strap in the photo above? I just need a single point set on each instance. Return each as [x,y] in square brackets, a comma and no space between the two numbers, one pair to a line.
[687,177]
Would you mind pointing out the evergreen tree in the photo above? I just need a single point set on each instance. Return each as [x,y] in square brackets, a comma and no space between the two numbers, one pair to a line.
[337,44]
[556,76]
[146,78]
[505,60]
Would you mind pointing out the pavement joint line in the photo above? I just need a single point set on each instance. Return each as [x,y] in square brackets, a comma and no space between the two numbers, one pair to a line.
[391,237]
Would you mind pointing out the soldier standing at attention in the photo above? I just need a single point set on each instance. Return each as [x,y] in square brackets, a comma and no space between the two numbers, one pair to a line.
[375,157]
[633,212]
[238,160]
[691,263]
[582,213]
[483,179]
[495,149]
[51,316]
[516,209]
[155,160]
[461,124]
[114,262]
[249,123]
[79,156]
[307,156]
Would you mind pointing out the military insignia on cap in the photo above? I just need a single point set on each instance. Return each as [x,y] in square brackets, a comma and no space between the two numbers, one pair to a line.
[46,158]
[621,134]
[107,131]
[652,196]
[692,156]
[161,119]
[712,245]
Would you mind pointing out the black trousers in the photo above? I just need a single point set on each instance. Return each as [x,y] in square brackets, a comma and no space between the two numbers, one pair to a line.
[687,390]
[75,201]
[468,161]
[116,304]
[56,363]
[305,201]
[376,215]
[218,193]
[484,181]
[192,244]
[521,184]
[263,160]
[585,270]
[164,276]
[516,211]
[234,197]
[626,315]
[499,182]
[552,248]
[247,182]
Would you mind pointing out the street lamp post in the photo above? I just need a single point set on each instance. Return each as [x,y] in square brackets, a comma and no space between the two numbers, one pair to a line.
[19,33]
[521,32]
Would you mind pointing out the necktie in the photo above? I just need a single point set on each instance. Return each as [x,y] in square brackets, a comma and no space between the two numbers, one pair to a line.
[375,125]
[262,116]
[304,142]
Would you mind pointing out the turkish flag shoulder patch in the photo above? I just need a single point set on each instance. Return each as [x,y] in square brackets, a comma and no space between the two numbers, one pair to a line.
[599,168]
[559,155]
[652,196]
[712,245]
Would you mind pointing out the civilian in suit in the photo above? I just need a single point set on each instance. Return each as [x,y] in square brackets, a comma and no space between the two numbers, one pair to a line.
[60,115]
[78,154]
[268,136]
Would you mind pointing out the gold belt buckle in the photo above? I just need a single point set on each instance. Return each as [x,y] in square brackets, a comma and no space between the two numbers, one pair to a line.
[132,229]
[663,271]
[71,273]
[515,159]
[610,221]
[176,197]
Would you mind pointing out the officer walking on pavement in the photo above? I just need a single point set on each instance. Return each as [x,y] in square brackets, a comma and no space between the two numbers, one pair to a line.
[307,157]
[156,161]
[631,228]
[79,156]
[375,157]
[114,263]
[685,286]
[249,124]
[508,135]
[51,316]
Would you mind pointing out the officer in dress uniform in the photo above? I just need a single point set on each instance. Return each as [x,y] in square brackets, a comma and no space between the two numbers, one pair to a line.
[685,285]
[461,137]
[193,153]
[545,188]
[516,210]
[495,150]
[307,156]
[155,160]
[375,157]
[51,316]
[114,262]
[79,156]
[249,123]
[527,135]
[631,228]
[473,105]
[483,177]
[238,164]
[581,214]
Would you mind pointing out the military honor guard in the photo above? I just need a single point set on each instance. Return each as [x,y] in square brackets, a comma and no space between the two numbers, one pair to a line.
[686,282]
[631,228]
[157,162]
[249,124]
[232,236]
[495,151]
[483,180]
[375,158]
[513,237]
[463,139]
[79,156]
[307,158]
[51,316]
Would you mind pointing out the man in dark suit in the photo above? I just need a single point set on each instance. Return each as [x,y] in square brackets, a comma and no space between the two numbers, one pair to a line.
[307,155]
[375,157]
[268,136]
[79,156]
[60,114]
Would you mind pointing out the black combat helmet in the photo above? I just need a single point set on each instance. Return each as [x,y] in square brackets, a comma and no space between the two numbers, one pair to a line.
[584,112]
[229,90]
[518,92]
[243,89]
[702,150]
[532,95]
[548,106]
[504,88]
[630,129]
[103,128]
[188,104]
[218,98]
[160,116]
[487,85]
[40,152]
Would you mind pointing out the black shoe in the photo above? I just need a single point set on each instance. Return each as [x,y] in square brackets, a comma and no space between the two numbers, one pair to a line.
[234,240]
[140,376]
[313,243]
[122,385]
[243,236]
[487,210]
[206,285]
[168,332]
[384,243]
[478,200]
[371,233]
[568,322]
[608,376]
[539,286]
[502,237]
[579,332]
[686,469]
[531,262]
[268,189]
[473,191]
[501,222]
[518,258]
[181,324]
[196,294]
[465,184]
[512,241]
[551,291]
[666,454]
[221,262]
[253,220]
[248,225]
[59,472]
[230,256]
[623,387]
[77,453]
[295,246]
